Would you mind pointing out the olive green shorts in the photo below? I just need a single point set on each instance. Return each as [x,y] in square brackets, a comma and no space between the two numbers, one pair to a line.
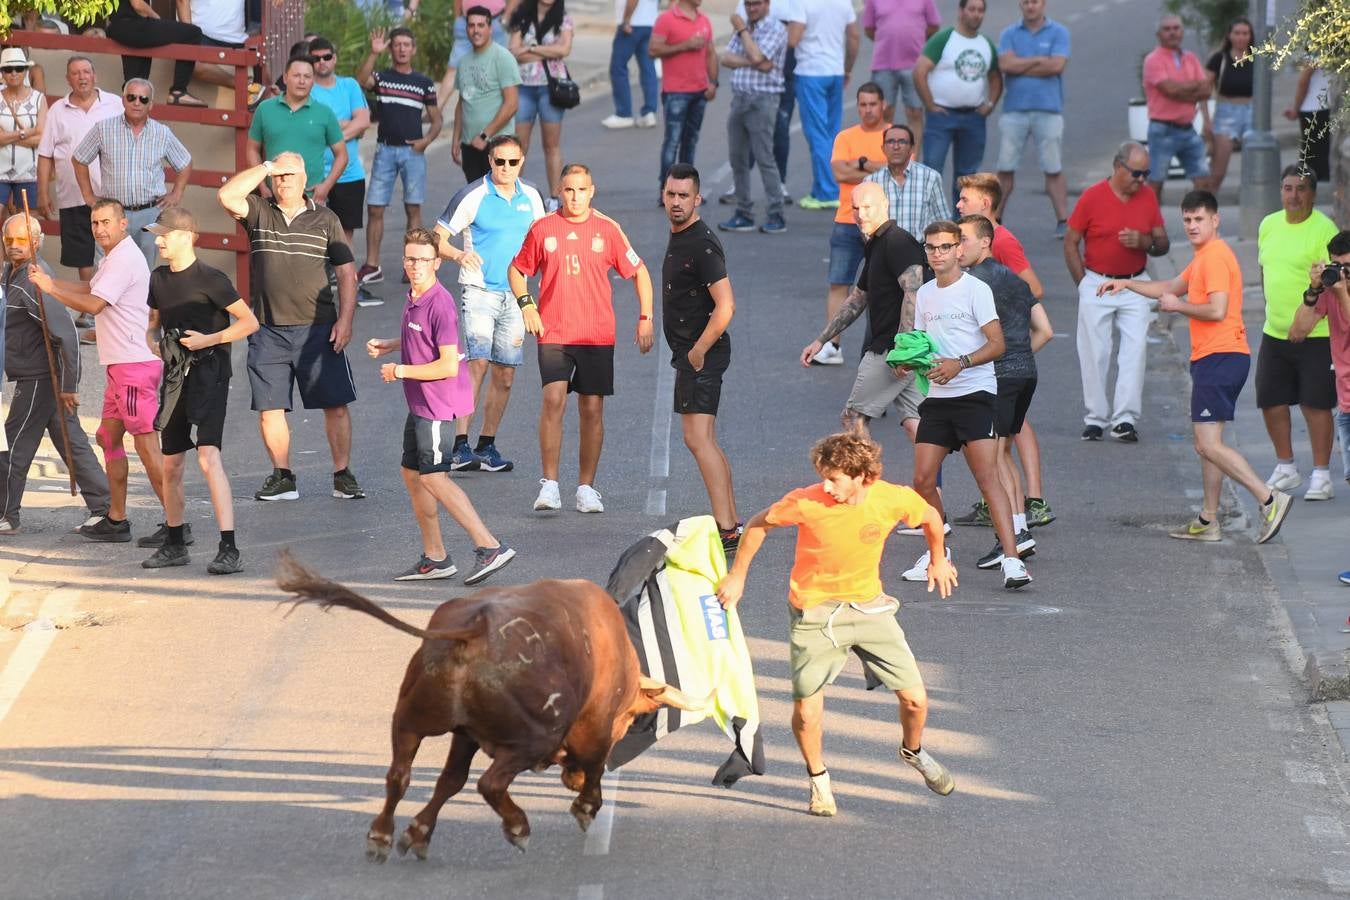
[822,636]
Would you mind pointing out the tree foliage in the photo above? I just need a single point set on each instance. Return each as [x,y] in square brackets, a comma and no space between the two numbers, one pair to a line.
[348,26]
[1208,18]
[1318,35]
[76,12]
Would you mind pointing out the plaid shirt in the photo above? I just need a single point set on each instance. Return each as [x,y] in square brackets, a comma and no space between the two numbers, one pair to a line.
[771,37]
[919,202]
[132,165]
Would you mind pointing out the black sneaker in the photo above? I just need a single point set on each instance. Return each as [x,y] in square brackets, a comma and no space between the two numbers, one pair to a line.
[278,487]
[104,531]
[162,534]
[166,556]
[487,561]
[1124,431]
[731,539]
[1026,544]
[226,562]
[428,569]
[978,515]
[345,486]
[991,560]
[1092,433]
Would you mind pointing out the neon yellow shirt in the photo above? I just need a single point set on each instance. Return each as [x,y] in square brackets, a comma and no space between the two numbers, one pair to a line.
[1286,253]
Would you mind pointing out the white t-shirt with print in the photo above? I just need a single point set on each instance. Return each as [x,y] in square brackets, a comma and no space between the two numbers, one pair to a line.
[961,66]
[953,317]
[821,50]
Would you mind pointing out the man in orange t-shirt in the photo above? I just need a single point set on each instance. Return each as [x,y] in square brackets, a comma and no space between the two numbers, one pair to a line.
[836,599]
[1220,361]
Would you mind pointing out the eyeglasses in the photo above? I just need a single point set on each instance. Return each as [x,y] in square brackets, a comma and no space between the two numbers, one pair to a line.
[498,161]
[15,241]
[418,260]
[321,57]
[896,142]
[940,249]
[1139,174]
[142,99]
[13,70]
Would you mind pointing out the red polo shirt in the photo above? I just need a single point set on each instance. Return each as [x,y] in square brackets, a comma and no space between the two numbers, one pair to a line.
[1098,217]
[686,72]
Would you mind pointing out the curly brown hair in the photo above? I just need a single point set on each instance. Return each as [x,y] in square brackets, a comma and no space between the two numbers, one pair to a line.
[849,453]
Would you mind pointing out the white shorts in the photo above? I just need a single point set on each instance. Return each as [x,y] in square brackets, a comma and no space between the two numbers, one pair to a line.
[1015,127]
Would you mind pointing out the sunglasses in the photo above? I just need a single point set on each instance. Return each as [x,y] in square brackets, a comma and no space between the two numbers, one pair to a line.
[142,99]
[940,249]
[321,57]
[13,70]
[1139,174]
[498,161]
[15,241]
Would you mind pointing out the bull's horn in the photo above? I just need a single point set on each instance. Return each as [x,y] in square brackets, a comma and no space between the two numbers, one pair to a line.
[673,696]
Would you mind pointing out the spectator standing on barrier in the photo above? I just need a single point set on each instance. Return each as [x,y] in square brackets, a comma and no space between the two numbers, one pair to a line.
[1328,296]
[1174,83]
[1032,56]
[1294,366]
[304,330]
[344,97]
[132,150]
[68,121]
[488,81]
[827,47]
[401,96]
[297,122]
[135,23]
[898,30]
[755,57]
[632,36]
[914,192]
[682,39]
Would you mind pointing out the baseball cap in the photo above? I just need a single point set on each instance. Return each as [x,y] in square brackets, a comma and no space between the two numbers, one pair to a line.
[173,218]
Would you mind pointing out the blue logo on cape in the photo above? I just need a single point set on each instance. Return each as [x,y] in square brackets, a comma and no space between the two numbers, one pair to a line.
[714,618]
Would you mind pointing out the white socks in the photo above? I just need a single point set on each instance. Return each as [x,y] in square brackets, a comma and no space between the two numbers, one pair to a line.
[1019,522]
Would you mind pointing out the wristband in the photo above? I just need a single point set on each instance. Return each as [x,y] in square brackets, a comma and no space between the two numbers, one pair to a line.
[526,301]
[398,371]
[1310,296]
[965,360]
[642,318]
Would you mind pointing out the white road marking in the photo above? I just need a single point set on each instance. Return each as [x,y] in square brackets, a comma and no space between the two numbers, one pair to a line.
[591,892]
[1303,773]
[1098,9]
[662,412]
[597,837]
[1324,827]
[23,662]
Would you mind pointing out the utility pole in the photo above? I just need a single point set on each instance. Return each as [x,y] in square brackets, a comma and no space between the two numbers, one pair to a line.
[1260,151]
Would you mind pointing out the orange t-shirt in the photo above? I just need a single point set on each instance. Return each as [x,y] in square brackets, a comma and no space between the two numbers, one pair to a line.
[1215,268]
[839,545]
[852,143]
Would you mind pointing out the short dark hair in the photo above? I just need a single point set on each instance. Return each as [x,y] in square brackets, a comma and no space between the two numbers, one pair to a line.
[1298,170]
[983,227]
[497,140]
[683,172]
[321,43]
[1340,244]
[871,87]
[421,237]
[307,60]
[402,31]
[896,126]
[299,48]
[103,202]
[942,226]
[477,10]
[1196,200]
[576,169]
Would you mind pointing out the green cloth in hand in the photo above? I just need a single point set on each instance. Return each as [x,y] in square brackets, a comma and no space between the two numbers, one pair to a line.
[917,351]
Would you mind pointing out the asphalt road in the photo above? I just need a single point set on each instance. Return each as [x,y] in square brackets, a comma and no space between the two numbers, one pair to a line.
[1126,726]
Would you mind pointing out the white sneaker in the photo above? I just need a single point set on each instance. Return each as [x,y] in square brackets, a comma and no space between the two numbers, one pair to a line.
[647,120]
[920,570]
[617,121]
[548,495]
[588,499]
[934,773]
[1284,479]
[1015,574]
[918,532]
[822,799]
[829,355]
[1319,489]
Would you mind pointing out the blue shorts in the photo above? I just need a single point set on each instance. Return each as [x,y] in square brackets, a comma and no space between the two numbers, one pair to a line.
[1216,382]
[13,190]
[1183,142]
[390,164]
[1232,119]
[427,445]
[846,253]
[494,329]
[534,102]
[280,356]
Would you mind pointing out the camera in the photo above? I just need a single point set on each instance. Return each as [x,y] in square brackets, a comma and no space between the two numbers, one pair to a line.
[1332,274]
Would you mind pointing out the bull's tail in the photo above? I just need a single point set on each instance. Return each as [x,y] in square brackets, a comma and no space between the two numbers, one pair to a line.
[293,578]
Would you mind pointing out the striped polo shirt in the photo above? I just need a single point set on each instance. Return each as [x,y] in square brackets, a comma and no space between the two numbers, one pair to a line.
[291,264]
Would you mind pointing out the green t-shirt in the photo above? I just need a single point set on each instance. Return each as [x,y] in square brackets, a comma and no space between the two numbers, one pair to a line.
[309,131]
[1286,253]
[479,80]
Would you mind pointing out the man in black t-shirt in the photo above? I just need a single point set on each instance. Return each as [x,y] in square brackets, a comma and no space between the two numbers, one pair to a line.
[193,304]
[893,264]
[696,308]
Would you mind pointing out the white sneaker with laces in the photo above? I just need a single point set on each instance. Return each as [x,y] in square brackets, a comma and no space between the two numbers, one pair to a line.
[934,773]
[1319,489]
[829,355]
[588,499]
[1015,574]
[1284,478]
[548,495]
[822,799]
[646,120]
[617,121]
[920,570]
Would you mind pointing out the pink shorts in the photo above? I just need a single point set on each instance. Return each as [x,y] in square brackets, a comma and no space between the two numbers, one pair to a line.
[132,395]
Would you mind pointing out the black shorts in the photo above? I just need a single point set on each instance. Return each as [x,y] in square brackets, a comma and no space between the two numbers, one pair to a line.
[587,368]
[700,392]
[427,444]
[77,238]
[1014,399]
[952,422]
[1216,383]
[280,356]
[1290,374]
[208,384]
[348,199]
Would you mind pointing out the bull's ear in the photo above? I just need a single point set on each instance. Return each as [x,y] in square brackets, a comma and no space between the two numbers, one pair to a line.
[648,700]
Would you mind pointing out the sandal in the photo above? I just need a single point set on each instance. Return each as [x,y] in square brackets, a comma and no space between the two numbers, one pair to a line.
[183,98]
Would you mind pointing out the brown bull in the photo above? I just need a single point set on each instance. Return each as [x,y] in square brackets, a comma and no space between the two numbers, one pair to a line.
[533,675]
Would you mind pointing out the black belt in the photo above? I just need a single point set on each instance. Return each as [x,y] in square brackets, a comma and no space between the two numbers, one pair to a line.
[1123,277]
[154,202]
[1190,125]
[961,109]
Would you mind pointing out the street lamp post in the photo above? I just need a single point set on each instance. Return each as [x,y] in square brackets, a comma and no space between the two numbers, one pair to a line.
[1260,194]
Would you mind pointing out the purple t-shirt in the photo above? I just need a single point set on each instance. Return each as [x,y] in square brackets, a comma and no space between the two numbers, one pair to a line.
[429,324]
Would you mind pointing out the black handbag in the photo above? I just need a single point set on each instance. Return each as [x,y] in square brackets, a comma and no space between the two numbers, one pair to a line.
[563,93]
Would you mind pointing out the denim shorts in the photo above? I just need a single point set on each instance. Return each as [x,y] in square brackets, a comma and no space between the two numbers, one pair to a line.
[390,164]
[493,326]
[534,102]
[1166,141]
[1232,119]
[898,83]
[846,253]
[1046,128]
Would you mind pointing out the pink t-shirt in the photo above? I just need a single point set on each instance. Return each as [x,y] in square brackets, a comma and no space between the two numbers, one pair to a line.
[1163,65]
[1340,345]
[123,282]
[901,28]
[686,72]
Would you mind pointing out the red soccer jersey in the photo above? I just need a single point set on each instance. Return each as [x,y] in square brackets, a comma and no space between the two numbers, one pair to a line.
[1099,216]
[1007,249]
[573,260]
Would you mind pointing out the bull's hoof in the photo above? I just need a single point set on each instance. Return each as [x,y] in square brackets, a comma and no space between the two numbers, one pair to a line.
[584,813]
[415,838]
[518,838]
[377,847]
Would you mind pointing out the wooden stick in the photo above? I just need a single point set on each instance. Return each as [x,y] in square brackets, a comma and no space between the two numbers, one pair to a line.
[51,357]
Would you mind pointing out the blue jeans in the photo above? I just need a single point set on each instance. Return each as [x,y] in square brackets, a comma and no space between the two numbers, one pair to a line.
[1343,434]
[625,47]
[963,133]
[684,118]
[821,98]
